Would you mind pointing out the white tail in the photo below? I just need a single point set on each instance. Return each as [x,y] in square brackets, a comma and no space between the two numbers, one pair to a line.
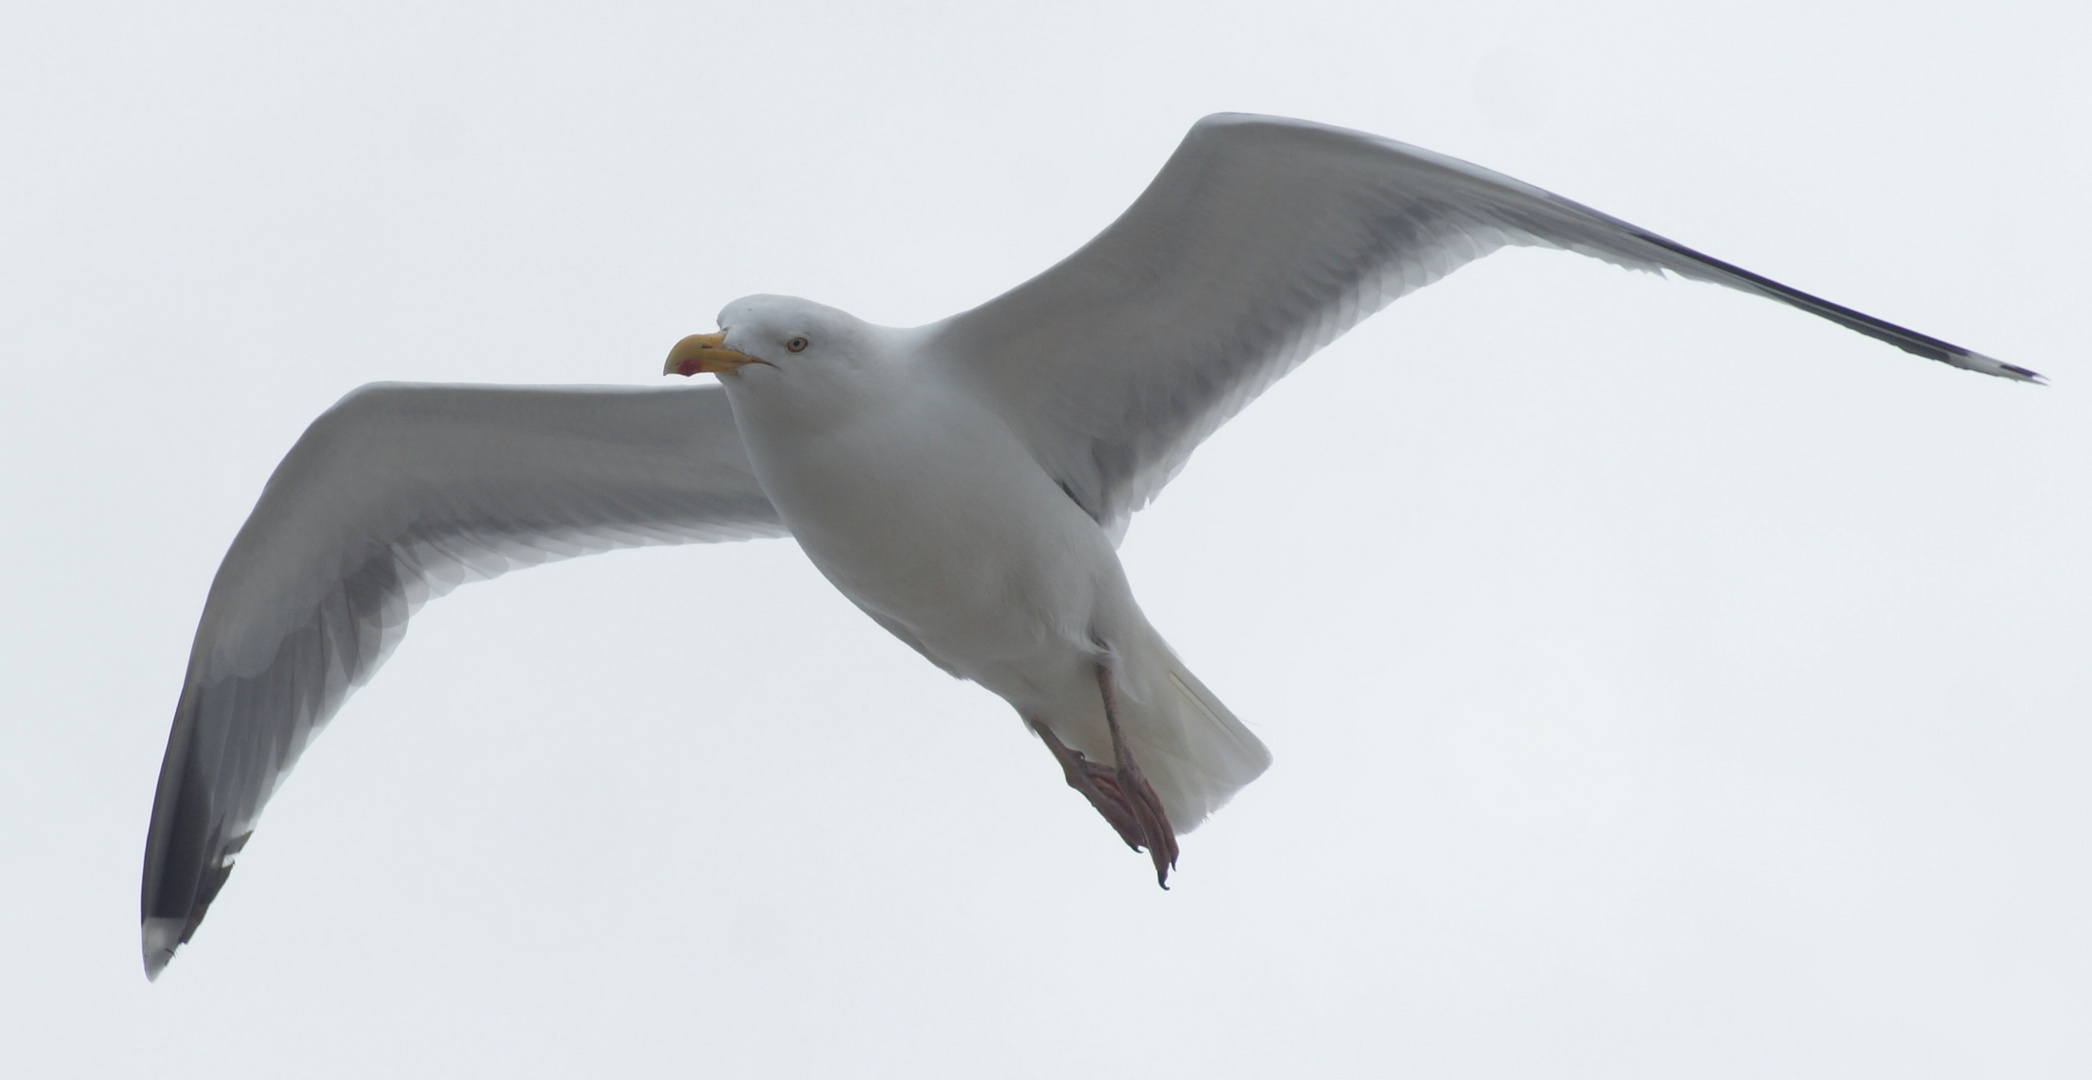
[1193,751]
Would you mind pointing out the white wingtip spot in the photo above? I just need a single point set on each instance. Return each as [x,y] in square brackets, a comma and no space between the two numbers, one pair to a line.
[160,938]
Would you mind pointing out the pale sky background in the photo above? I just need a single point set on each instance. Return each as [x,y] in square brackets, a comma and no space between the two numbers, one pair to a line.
[1663,683]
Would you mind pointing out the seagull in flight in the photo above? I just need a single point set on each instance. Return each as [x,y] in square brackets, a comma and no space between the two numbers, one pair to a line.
[964,483]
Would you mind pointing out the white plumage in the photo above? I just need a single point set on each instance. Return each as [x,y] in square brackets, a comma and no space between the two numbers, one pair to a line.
[965,483]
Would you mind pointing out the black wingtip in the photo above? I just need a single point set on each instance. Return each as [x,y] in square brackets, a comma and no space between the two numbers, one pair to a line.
[186,857]
[160,935]
[1975,361]
[2026,374]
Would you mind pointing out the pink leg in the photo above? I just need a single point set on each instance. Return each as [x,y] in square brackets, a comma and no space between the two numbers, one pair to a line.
[1120,793]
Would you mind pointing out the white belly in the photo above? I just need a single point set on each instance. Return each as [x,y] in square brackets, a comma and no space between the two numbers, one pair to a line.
[937,523]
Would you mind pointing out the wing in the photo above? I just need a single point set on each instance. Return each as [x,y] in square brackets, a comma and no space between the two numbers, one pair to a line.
[1261,241]
[397,494]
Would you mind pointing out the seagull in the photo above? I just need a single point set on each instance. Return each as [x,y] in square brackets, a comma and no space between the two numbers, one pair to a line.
[964,483]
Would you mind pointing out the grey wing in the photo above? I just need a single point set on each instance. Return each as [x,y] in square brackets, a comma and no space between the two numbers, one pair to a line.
[1261,241]
[395,495]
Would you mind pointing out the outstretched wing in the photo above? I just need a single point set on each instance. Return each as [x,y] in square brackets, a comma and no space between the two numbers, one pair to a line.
[397,494]
[1261,241]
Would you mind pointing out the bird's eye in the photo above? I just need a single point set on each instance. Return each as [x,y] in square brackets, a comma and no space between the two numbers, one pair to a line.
[797,344]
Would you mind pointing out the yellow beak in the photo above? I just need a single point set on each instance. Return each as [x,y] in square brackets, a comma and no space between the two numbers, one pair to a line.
[705,352]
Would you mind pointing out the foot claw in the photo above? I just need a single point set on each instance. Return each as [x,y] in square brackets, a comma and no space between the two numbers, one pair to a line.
[1146,807]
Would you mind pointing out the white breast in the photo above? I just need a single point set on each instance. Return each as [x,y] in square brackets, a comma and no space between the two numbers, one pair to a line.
[925,511]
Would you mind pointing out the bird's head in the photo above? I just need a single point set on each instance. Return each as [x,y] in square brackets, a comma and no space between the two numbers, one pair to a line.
[778,339]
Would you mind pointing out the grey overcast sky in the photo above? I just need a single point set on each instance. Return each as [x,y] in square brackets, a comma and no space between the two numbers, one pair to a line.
[1663,683]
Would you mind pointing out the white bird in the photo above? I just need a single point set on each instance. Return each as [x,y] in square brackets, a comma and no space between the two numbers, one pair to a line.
[965,483]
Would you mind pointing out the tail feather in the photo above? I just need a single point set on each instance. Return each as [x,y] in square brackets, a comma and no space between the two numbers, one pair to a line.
[1192,749]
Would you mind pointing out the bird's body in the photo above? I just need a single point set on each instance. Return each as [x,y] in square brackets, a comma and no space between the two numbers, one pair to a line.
[964,483]
[918,502]
[972,557]
[924,510]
